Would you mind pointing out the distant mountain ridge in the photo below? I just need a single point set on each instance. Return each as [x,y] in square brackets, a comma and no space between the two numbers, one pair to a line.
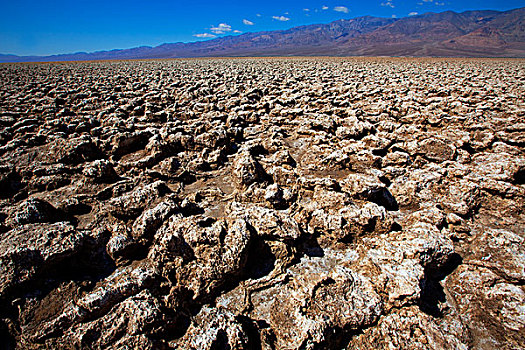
[484,33]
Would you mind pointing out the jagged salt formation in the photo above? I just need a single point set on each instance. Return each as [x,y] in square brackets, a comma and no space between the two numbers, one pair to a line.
[263,203]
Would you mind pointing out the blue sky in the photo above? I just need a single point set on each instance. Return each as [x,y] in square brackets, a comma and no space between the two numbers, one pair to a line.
[30,27]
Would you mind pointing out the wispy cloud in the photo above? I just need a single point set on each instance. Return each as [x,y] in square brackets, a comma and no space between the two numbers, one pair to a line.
[221,28]
[204,35]
[343,9]
[306,10]
[248,23]
[237,31]
[324,7]
[439,3]
[387,4]
[281,18]
[258,15]
[413,13]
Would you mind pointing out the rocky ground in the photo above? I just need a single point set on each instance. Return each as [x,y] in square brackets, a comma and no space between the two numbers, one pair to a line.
[263,204]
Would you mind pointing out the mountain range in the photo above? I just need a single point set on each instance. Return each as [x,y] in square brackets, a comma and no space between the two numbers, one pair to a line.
[484,33]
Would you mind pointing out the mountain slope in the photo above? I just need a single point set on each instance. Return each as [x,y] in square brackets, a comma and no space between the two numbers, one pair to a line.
[470,34]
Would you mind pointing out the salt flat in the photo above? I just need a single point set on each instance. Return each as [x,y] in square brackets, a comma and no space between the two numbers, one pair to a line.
[282,203]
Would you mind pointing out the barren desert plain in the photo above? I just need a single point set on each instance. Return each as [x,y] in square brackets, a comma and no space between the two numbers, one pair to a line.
[269,203]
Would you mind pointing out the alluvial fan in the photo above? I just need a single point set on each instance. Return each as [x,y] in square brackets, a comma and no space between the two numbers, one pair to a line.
[366,203]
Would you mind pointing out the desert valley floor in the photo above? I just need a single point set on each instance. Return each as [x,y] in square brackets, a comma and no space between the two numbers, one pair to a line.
[277,203]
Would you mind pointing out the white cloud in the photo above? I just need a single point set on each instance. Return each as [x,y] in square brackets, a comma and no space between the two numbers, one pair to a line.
[413,14]
[306,10]
[258,15]
[281,18]
[248,23]
[205,35]
[237,31]
[221,28]
[324,7]
[394,16]
[439,3]
[387,4]
[341,9]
